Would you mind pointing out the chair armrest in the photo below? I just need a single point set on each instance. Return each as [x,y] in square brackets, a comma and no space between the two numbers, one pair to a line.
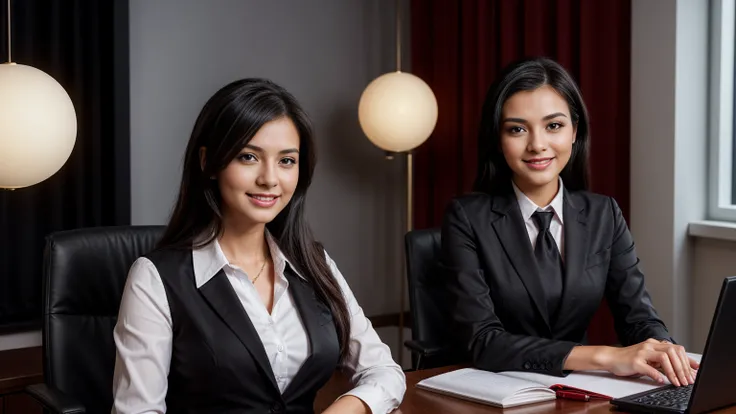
[54,400]
[427,349]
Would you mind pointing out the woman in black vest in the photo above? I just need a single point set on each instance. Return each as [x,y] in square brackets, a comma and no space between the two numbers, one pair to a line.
[239,309]
[531,254]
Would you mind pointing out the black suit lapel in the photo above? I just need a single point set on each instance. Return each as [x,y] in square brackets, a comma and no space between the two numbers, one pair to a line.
[223,299]
[511,231]
[576,251]
[317,320]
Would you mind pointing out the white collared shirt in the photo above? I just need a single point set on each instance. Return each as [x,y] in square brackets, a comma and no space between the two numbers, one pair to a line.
[528,208]
[143,335]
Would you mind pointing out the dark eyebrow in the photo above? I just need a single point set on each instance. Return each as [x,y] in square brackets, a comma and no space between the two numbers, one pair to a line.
[554,115]
[517,120]
[546,118]
[259,149]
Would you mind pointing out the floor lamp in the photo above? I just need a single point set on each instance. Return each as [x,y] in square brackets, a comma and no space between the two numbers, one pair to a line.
[38,124]
[398,112]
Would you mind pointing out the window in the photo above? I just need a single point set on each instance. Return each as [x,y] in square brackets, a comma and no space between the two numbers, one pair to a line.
[722,157]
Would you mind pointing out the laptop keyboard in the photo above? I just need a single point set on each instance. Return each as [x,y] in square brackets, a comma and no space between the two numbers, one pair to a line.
[675,397]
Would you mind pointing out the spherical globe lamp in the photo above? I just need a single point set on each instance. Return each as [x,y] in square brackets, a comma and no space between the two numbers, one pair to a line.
[397,111]
[38,126]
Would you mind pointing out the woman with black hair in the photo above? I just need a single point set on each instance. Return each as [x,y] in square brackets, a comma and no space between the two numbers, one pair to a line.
[531,253]
[239,309]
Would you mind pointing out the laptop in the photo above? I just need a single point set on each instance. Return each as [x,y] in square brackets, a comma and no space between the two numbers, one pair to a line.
[715,384]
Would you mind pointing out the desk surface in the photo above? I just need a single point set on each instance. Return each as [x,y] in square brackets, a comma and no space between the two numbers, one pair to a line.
[421,401]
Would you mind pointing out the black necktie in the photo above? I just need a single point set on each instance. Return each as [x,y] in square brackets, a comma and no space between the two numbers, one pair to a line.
[549,261]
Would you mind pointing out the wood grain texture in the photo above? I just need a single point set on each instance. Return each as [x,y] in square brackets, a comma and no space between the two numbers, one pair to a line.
[420,401]
[20,368]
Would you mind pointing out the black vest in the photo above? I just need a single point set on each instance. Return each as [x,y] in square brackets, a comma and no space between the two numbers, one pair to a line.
[218,363]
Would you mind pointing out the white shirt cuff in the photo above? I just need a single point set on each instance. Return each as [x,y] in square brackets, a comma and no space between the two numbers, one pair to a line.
[375,397]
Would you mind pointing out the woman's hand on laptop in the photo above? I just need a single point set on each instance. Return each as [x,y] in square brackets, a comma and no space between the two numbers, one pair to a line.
[647,358]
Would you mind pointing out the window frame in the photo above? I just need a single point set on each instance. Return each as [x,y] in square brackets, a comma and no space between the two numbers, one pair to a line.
[721,114]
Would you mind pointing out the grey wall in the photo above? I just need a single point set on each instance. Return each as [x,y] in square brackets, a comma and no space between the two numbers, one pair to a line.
[669,84]
[20,340]
[713,260]
[325,52]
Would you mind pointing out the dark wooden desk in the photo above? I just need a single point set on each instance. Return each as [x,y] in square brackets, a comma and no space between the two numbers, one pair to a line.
[19,368]
[421,401]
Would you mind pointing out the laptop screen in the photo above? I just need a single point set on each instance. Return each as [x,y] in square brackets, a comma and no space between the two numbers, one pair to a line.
[715,385]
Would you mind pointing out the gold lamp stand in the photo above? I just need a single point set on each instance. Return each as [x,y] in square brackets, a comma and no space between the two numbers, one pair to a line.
[398,112]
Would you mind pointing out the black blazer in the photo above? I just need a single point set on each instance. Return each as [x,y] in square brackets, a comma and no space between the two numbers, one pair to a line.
[496,295]
[218,362]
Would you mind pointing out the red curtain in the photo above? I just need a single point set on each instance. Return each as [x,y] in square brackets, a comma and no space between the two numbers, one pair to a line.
[459,47]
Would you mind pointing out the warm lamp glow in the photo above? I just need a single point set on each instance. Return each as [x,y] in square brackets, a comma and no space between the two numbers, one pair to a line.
[38,126]
[397,111]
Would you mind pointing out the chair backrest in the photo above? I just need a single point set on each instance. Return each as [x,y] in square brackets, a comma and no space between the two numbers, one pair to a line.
[422,252]
[84,276]
[431,321]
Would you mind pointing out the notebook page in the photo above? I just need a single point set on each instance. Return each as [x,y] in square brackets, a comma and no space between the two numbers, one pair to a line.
[600,382]
[488,387]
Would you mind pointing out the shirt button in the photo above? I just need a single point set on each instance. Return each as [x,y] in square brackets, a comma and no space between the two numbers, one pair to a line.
[280,348]
[270,320]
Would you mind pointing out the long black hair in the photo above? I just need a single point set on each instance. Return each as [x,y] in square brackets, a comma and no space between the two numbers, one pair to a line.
[494,174]
[228,121]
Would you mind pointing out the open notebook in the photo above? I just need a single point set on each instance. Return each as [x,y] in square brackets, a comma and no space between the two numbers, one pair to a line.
[510,389]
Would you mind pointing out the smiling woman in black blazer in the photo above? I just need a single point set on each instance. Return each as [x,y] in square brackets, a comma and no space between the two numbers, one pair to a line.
[531,253]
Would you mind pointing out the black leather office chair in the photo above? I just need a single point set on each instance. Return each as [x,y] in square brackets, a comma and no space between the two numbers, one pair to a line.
[432,343]
[84,276]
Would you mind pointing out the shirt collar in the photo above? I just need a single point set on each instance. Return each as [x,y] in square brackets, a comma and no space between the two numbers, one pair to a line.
[210,259]
[528,207]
